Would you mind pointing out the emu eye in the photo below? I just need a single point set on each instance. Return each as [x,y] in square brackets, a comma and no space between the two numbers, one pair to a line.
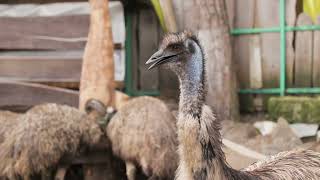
[175,46]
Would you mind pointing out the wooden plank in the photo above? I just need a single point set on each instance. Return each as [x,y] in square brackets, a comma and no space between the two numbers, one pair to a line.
[27,95]
[231,7]
[244,18]
[40,69]
[255,63]
[39,1]
[148,42]
[290,20]
[256,81]
[268,16]
[37,32]
[316,57]
[54,68]
[303,53]
[36,1]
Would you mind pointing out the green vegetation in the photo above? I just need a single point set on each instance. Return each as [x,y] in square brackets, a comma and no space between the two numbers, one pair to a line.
[295,109]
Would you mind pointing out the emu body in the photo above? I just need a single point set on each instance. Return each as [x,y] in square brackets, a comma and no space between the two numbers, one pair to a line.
[142,133]
[42,136]
[201,156]
[8,121]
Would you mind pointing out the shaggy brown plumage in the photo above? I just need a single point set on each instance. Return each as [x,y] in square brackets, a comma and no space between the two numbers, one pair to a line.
[143,134]
[201,156]
[42,136]
[8,120]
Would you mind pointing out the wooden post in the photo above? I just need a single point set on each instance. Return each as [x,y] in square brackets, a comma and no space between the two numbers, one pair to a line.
[242,49]
[303,53]
[316,57]
[209,19]
[97,78]
[169,17]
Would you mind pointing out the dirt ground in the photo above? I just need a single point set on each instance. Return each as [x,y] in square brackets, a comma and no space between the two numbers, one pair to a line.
[244,133]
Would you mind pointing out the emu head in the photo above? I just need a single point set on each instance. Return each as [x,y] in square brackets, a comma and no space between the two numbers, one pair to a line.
[179,52]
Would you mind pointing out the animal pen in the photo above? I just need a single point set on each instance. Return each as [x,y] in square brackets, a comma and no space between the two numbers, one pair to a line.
[289,77]
[282,29]
[32,54]
[45,55]
[41,62]
[274,56]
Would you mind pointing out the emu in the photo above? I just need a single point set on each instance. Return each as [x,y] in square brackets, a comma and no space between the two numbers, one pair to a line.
[142,133]
[39,139]
[8,121]
[200,153]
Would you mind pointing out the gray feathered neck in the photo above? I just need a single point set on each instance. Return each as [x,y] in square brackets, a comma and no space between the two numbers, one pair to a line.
[192,82]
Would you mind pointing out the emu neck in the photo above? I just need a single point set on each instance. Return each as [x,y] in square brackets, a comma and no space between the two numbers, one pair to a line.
[192,86]
[200,141]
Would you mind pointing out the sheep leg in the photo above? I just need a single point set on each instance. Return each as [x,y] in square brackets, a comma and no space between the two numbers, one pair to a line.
[130,170]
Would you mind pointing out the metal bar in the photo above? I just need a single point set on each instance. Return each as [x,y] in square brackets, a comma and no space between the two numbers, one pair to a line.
[283,47]
[277,91]
[303,90]
[128,44]
[128,76]
[282,30]
[303,28]
[260,91]
[242,31]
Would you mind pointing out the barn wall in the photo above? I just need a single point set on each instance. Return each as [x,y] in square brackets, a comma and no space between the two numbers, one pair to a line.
[37,1]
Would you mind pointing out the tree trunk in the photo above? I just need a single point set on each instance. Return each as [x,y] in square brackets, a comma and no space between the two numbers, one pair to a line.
[210,21]
[97,77]
[169,18]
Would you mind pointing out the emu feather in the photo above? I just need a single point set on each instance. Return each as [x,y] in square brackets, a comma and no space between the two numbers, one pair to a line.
[42,136]
[142,133]
[7,122]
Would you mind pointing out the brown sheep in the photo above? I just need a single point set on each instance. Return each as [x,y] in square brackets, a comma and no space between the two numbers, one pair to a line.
[142,133]
[43,135]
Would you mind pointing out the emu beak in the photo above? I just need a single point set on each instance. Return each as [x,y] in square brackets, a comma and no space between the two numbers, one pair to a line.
[158,58]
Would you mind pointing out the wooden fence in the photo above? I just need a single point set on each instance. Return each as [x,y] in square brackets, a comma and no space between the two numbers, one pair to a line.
[257,56]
